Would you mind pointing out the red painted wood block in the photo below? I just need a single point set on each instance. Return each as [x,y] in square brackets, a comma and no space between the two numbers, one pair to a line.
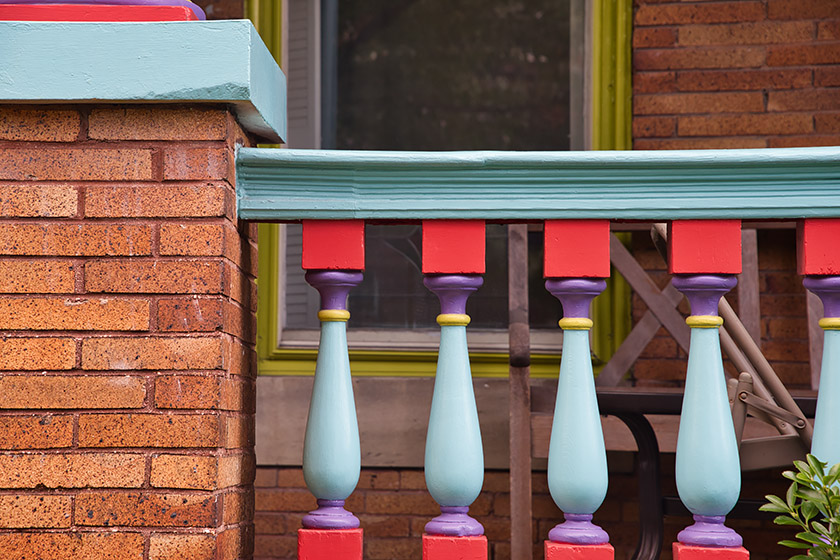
[566,551]
[577,249]
[687,552]
[453,247]
[438,547]
[818,246]
[329,544]
[333,244]
[704,247]
[88,12]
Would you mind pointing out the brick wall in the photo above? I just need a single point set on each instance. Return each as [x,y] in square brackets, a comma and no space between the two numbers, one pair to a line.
[738,74]
[126,334]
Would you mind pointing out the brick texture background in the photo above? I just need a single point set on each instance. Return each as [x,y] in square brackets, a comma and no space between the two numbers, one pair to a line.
[127,304]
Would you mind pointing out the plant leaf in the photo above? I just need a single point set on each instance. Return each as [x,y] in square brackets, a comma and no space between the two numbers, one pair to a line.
[785,520]
[817,466]
[794,544]
[808,511]
[790,497]
[810,537]
[776,502]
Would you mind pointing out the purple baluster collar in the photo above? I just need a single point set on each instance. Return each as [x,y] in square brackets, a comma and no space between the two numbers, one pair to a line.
[453,290]
[710,531]
[454,522]
[704,290]
[334,285]
[576,294]
[578,529]
[828,290]
[330,515]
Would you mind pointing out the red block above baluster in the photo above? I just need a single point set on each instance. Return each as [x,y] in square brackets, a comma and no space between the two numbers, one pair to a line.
[818,246]
[577,249]
[453,247]
[704,247]
[333,245]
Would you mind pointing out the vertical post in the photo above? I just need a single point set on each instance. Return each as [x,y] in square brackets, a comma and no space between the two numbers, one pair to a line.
[333,253]
[577,259]
[704,258]
[453,261]
[819,261]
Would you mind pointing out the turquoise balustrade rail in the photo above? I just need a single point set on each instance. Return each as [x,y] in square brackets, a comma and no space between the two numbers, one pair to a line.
[782,184]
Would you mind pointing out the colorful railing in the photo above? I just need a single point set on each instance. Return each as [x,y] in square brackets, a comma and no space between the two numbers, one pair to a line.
[702,195]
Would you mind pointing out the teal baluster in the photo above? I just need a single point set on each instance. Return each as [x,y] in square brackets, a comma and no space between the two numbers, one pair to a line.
[708,469]
[454,464]
[826,443]
[331,452]
[577,457]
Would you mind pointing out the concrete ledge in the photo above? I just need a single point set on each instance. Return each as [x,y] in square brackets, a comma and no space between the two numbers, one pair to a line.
[181,61]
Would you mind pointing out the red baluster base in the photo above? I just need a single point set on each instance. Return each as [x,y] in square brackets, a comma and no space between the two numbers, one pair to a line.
[437,547]
[688,552]
[566,551]
[329,544]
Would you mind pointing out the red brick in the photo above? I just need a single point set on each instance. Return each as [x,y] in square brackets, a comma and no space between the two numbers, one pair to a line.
[34,511]
[74,314]
[36,277]
[164,546]
[86,470]
[827,76]
[37,353]
[75,240]
[827,122]
[654,37]
[787,327]
[154,276]
[77,391]
[142,201]
[275,524]
[148,430]
[238,506]
[192,239]
[151,353]
[195,163]
[707,12]
[266,477]
[803,55]
[802,9]
[90,546]
[761,33]
[238,322]
[387,549]
[379,479]
[238,432]
[696,58]
[237,284]
[698,143]
[156,123]
[85,164]
[276,546]
[720,80]
[31,201]
[184,471]
[284,500]
[237,396]
[19,123]
[699,103]
[670,370]
[749,124]
[36,432]
[646,127]
[654,82]
[808,100]
[828,30]
[804,141]
[377,526]
[291,478]
[233,543]
[189,314]
[187,391]
[414,503]
[144,509]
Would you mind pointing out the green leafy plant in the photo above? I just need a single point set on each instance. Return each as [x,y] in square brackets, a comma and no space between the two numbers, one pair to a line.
[812,503]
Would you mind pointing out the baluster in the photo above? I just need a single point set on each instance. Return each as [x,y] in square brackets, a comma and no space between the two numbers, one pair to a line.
[705,256]
[453,259]
[577,260]
[819,260]
[331,451]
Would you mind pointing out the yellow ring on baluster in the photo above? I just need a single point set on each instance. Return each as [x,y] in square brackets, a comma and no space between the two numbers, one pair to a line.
[327,315]
[453,320]
[575,323]
[830,323]
[704,321]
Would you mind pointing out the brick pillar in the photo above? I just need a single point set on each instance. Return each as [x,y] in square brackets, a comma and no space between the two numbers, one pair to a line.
[127,361]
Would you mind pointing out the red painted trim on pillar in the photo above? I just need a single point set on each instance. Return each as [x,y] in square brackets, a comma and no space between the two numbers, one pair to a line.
[818,246]
[333,245]
[566,551]
[330,544]
[704,247]
[438,547]
[87,12]
[453,247]
[685,552]
[577,249]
